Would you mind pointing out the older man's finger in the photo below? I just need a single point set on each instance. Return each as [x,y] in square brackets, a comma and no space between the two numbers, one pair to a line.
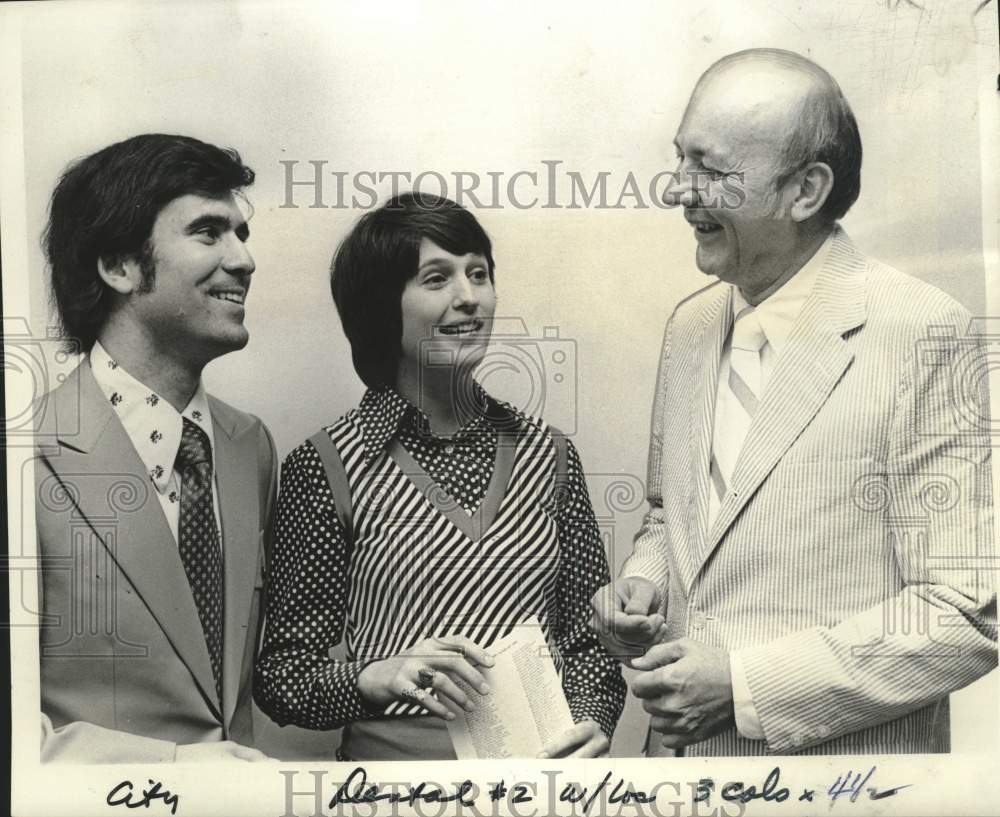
[664,724]
[666,706]
[676,741]
[659,655]
[634,629]
[644,598]
[625,636]
[651,684]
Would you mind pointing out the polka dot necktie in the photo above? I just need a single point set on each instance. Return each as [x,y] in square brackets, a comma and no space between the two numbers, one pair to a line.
[198,539]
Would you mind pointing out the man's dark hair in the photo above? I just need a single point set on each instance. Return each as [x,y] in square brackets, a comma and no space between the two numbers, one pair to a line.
[373,263]
[104,207]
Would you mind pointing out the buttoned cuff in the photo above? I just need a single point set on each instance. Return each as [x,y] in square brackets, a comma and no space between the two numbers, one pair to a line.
[747,721]
[343,696]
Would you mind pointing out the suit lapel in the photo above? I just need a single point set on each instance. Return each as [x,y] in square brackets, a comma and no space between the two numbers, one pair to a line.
[813,362]
[101,470]
[236,483]
[715,321]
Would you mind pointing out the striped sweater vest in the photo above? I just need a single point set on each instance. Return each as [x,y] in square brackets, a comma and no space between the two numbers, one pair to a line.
[422,567]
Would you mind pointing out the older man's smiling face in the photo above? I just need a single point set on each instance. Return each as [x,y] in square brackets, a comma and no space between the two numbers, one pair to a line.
[731,139]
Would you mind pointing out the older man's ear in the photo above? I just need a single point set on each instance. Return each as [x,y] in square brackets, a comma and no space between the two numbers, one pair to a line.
[815,183]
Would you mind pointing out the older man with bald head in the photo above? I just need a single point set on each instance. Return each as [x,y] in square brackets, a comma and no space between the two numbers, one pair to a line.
[819,492]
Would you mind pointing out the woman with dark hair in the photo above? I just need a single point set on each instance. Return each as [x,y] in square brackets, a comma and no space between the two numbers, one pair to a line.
[426,523]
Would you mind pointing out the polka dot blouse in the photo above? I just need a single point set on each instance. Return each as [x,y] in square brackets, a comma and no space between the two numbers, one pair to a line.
[308,609]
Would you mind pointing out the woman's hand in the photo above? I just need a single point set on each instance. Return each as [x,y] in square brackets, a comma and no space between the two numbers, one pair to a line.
[584,740]
[434,664]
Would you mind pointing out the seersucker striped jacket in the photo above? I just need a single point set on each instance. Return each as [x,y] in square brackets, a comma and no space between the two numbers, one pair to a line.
[851,561]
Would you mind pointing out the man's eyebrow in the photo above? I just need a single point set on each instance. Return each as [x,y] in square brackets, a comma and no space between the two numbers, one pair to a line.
[700,153]
[221,223]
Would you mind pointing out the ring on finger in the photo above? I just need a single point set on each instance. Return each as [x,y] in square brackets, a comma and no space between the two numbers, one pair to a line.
[414,694]
[426,677]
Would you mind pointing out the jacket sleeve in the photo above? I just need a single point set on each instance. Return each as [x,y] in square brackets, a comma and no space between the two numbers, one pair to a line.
[649,553]
[267,458]
[938,632]
[81,742]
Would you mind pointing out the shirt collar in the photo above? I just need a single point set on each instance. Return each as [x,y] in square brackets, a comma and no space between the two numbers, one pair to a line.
[777,313]
[152,424]
[383,411]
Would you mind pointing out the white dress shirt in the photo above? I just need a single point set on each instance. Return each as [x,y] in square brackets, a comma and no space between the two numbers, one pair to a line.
[777,314]
[154,427]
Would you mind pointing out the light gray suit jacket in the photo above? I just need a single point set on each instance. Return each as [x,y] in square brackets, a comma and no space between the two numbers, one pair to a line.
[851,560]
[125,670]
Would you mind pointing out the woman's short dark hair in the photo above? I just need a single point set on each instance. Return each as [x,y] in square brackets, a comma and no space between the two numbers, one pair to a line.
[377,258]
[105,205]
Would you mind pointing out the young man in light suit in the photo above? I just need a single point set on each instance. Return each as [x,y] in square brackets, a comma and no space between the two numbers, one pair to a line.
[153,506]
[813,572]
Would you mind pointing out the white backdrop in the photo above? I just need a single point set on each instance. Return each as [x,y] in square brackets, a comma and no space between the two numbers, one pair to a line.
[503,87]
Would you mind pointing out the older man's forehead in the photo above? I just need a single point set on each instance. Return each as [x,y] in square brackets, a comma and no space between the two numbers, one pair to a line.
[742,108]
[755,90]
[709,128]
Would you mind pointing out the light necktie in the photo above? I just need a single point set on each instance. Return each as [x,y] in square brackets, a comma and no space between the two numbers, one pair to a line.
[741,396]
[198,539]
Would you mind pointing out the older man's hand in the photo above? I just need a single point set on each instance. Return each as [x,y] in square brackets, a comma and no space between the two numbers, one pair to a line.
[626,617]
[687,688]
